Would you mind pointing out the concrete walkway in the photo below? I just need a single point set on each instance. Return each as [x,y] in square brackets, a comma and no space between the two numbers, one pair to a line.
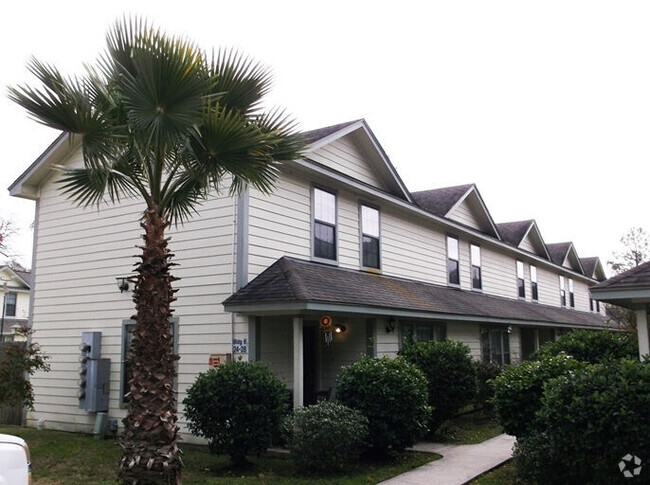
[459,463]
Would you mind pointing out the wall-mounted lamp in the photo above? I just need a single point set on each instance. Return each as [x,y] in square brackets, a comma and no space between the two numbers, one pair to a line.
[339,328]
[509,328]
[122,284]
[390,326]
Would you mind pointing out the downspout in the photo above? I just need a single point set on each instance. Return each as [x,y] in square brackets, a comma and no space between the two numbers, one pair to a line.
[233,270]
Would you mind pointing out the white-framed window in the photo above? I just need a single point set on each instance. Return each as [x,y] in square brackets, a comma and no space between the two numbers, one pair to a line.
[324,224]
[10,304]
[495,344]
[475,258]
[572,299]
[422,332]
[562,291]
[370,237]
[597,306]
[453,274]
[533,283]
[521,285]
[127,339]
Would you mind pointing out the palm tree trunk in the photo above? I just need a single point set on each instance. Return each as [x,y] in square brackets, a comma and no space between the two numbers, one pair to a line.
[150,451]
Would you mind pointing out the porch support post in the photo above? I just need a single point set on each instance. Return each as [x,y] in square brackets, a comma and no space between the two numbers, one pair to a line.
[298,367]
[642,332]
[252,339]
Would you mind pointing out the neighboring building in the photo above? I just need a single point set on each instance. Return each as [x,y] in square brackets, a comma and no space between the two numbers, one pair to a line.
[630,289]
[14,297]
[340,237]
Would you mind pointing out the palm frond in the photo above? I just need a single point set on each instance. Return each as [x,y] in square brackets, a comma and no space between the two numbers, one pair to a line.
[91,185]
[239,82]
[162,81]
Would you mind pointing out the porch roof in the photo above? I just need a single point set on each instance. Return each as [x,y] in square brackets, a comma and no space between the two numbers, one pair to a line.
[292,285]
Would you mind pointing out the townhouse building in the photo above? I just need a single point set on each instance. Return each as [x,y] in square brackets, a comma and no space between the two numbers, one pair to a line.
[340,261]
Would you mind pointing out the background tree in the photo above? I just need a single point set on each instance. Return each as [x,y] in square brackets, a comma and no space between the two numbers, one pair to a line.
[636,250]
[162,121]
[7,229]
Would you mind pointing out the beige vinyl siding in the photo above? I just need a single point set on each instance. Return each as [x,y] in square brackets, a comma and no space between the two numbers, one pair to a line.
[279,224]
[467,333]
[581,291]
[548,286]
[465,214]
[499,272]
[343,156]
[276,347]
[79,254]
[412,248]
[528,245]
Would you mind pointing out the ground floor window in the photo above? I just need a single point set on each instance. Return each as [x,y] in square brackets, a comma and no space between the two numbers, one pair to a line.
[423,332]
[495,344]
[127,339]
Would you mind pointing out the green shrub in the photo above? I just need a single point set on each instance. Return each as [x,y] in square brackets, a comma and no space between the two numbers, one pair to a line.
[593,346]
[392,394]
[236,407]
[486,372]
[594,417]
[326,436]
[451,375]
[518,391]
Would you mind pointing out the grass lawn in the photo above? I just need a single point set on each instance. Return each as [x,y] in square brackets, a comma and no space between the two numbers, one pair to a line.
[503,475]
[60,458]
[468,429]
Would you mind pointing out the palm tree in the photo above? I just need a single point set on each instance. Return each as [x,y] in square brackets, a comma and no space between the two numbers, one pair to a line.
[162,121]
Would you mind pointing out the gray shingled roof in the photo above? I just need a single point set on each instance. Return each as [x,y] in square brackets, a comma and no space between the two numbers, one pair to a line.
[440,201]
[558,251]
[513,232]
[589,265]
[315,135]
[633,278]
[290,280]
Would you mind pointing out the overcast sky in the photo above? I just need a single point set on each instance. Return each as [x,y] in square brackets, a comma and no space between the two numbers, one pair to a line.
[544,105]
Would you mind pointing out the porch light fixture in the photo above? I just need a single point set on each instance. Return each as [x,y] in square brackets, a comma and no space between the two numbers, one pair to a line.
[340,328]
[122,284]
[390,326]
[509,328]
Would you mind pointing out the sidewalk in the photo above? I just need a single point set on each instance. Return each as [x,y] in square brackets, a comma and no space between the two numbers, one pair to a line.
[459,463]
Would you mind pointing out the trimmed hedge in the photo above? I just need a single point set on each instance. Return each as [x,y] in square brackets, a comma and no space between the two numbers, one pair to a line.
[588,421]
[238,407]
[486,372]
[593,346]
[326,436]
[518,391]
[450,373]
[392,394]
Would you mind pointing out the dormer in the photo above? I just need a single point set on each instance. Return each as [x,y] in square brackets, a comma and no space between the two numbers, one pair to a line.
[593,268]
[564,254]
[524,235]
[462,203]
[352,149]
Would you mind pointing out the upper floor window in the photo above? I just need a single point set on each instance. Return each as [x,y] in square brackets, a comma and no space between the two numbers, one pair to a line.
[562,292]
[369,237]
[572,300]
[597,306]
[324,224]
[533,282]
[475,256]
[453,275]
[10,304]
[591,304]
[520,280]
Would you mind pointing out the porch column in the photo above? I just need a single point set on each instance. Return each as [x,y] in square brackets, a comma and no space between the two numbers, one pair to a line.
[642,332]
[298,366]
